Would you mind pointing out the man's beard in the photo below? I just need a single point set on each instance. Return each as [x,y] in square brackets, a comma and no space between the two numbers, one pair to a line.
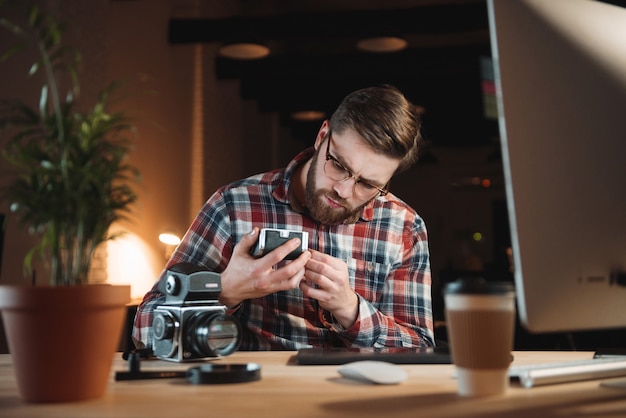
[316,202]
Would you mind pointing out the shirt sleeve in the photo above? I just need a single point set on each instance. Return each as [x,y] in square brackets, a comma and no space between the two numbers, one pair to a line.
[142,329]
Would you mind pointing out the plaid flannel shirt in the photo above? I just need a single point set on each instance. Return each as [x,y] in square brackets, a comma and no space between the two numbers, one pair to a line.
[386,251]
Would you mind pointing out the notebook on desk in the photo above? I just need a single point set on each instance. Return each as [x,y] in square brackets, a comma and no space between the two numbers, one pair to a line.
[337,355]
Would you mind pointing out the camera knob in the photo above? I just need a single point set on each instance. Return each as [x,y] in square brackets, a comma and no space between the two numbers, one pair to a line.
[163,327]
[172,285]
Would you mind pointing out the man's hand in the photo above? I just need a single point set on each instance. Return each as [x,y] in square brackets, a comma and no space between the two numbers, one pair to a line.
[327,281]
[247,277]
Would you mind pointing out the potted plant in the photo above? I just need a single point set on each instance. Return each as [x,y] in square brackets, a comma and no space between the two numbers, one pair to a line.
[71,181]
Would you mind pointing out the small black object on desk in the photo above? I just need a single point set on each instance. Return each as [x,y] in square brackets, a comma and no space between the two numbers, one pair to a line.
[200,375]
[134,371]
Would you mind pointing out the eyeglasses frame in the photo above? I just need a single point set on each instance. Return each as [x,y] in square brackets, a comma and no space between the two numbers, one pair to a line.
[349,175]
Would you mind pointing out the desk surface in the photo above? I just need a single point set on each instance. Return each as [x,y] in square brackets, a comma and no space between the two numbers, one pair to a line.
[288,390]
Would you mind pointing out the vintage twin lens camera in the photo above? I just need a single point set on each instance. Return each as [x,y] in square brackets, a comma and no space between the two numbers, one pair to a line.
[192,325]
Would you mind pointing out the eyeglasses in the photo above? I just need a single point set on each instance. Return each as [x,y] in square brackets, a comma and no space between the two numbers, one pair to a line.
[337,172]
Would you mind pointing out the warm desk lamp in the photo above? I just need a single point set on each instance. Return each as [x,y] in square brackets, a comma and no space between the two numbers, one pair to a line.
[170,240]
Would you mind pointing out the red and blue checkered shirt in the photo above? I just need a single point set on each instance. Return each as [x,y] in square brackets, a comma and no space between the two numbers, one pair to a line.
[386,251]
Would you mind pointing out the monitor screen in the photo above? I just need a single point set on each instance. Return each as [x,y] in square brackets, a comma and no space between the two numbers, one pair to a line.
[560,69]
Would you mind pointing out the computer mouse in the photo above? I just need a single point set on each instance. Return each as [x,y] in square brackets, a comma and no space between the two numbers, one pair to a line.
[373,371]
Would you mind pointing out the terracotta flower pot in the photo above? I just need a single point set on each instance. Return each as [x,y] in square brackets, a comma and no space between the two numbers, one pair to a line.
[63,339]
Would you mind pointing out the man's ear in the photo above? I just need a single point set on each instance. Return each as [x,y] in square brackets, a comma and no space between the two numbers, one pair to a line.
[321,134]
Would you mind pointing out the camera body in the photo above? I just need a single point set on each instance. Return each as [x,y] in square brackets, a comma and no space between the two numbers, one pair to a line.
[192,325]
[271,238]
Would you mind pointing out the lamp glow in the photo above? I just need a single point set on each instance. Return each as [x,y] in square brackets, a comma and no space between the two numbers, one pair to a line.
[169,238]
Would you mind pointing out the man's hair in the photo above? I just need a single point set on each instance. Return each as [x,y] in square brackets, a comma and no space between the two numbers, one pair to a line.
[385,119]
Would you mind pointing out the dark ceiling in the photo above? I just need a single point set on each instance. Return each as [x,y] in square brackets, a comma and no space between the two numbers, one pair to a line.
[315,62]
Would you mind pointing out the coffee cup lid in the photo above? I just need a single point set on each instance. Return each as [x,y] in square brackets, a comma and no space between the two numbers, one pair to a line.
[478,286]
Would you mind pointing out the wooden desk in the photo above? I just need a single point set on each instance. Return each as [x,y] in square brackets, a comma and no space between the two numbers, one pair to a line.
[288,390]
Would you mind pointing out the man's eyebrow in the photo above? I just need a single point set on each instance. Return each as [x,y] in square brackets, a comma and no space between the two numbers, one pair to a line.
[361,179]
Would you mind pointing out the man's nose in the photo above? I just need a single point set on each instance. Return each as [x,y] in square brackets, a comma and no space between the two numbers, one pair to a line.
[345,188]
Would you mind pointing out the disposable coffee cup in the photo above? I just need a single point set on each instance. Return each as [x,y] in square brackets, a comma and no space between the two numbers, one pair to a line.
[480,318]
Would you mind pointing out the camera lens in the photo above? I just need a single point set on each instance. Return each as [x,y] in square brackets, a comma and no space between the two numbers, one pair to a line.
[214,334]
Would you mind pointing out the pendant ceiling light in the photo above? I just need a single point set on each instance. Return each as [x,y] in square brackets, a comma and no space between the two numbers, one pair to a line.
[382,44]
[244,51]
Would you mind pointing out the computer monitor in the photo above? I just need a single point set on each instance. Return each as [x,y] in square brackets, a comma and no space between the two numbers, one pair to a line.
[560,69]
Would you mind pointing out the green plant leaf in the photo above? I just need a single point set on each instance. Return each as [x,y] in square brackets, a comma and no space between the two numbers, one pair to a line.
[70,179]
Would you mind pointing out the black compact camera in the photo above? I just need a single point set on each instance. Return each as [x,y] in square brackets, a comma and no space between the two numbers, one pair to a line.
[271,238]
[191,324]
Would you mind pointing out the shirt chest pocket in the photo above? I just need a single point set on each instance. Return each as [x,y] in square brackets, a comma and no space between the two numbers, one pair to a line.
[368,278]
